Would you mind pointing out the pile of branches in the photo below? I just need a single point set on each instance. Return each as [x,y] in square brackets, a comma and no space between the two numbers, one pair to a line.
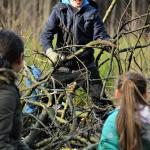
[57,122]
[60,125]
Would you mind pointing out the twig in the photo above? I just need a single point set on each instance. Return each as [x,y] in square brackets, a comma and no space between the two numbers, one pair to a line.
[108,12]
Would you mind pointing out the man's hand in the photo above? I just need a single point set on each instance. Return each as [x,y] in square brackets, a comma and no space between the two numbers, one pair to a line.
[53,56]
[109,44]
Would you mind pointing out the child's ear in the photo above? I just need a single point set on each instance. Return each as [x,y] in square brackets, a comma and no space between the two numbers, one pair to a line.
[117,94]
[18,65]
[21,58]
[145,95]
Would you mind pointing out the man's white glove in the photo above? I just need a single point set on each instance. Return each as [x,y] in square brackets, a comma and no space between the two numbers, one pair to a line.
[53,56]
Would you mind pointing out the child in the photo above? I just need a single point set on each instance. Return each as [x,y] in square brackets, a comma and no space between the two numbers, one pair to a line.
[128,127]
[11,62]
[36,72]
[75,22]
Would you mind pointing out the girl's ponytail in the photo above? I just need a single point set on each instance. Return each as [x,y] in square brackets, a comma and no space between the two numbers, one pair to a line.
[126,123]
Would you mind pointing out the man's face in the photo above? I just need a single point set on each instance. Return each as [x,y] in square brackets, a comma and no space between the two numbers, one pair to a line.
[77,3]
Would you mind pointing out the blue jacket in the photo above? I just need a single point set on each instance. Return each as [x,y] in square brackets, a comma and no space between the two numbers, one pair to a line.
[110,138]
[73,28]
[37,73]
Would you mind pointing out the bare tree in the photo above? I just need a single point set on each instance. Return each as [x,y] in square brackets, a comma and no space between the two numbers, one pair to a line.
[133,8]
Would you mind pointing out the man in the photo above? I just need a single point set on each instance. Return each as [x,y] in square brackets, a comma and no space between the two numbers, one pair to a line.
[76,23]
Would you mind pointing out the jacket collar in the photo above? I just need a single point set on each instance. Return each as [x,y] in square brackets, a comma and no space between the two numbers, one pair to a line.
[7,76]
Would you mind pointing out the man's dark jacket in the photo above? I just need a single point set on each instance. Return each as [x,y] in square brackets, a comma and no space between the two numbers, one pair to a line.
[73,28]
[93,4]
[10,115]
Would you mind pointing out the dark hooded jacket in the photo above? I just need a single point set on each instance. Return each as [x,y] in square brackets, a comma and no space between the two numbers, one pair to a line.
[74,27]
[10,115]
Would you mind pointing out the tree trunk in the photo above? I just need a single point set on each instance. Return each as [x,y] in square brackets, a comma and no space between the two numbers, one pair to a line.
[133,15]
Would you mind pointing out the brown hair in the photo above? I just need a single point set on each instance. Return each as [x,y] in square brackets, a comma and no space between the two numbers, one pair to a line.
[11,47]
[132,87]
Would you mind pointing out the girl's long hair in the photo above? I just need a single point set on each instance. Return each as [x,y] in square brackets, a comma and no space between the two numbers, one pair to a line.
[132,87]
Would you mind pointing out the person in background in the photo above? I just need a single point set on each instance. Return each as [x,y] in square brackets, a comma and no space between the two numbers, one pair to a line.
[11,62]
[128,127]
[37,73]
[76,23]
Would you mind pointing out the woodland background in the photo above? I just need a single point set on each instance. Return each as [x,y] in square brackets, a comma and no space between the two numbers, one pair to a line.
[73,126]
[23,15]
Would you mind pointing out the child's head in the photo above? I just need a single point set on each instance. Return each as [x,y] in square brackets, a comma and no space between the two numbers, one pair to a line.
[131,90]
[11,50]
[132,84]
[76,3]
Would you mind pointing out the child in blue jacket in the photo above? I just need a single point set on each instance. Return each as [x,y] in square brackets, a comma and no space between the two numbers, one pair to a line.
[128,127]
[75,22]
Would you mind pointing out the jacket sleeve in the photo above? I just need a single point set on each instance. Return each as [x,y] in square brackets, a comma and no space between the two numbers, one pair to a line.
[109,137]
[50,29]
[99,29]
[21,145]
[7,109]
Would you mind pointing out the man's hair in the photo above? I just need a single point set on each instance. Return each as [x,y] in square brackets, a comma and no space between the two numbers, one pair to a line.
[11,47]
